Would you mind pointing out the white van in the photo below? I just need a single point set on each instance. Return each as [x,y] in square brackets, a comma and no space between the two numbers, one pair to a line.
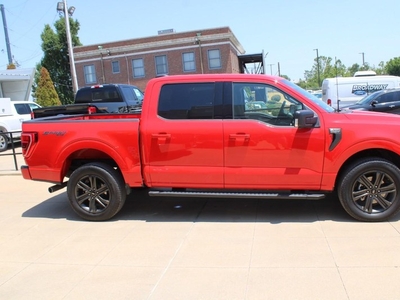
[343,91]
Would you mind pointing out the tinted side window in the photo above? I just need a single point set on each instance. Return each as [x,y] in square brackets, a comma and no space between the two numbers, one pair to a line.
[132,95]
[83,96]
[129,96]
[388,97]
[22,109]
[187,101]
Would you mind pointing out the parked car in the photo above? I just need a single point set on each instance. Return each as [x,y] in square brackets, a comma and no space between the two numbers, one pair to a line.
[381,101]
[105,98]
[12,114]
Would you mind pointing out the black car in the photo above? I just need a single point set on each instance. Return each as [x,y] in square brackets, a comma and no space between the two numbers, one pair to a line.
[380,101]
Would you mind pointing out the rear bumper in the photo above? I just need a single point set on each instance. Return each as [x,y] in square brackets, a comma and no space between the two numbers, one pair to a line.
[25,172]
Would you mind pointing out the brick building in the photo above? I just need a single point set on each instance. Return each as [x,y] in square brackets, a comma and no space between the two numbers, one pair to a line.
[136,61]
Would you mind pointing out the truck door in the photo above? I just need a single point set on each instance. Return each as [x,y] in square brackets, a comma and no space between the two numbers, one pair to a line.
[183,144]
[262,147]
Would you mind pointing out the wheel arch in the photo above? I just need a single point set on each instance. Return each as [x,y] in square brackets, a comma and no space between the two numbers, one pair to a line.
[78,154]
[376,152]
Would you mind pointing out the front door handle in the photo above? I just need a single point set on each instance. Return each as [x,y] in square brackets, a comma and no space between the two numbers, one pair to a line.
[161,135]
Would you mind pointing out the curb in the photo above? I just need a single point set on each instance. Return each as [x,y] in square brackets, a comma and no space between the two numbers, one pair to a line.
[8,173]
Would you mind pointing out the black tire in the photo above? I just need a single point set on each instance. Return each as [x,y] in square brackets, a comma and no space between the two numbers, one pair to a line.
[96,191]
[370,191]
[3,142]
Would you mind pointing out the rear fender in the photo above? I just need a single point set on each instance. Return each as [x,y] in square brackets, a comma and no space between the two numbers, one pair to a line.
[126,158]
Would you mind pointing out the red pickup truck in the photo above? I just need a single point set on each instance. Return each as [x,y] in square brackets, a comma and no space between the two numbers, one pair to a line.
[225,135]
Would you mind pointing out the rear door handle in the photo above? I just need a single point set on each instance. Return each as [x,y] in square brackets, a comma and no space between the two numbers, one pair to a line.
[242,136]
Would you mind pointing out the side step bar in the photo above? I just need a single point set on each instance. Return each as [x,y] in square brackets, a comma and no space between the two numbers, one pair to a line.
[253,195]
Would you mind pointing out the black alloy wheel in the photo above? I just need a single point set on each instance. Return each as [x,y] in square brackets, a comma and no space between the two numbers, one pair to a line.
[370,190]
[96,191]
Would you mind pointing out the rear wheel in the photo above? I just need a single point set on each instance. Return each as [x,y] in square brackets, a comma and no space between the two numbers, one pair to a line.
[96,191]
[370,191]
[3,142]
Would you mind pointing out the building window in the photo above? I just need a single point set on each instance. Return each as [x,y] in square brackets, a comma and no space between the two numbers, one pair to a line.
[115,66]
[138,67]
[90,74]
[188,62]
[161,65]
[214,59]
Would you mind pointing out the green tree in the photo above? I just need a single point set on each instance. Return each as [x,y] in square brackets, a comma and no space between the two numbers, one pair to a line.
[45,92]
[327,68]
[381,69]
[393,66]
[56,59]
[285,76]
[353,69]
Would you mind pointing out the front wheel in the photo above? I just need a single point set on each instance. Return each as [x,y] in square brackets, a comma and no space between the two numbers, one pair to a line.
[96,191]
[370,191]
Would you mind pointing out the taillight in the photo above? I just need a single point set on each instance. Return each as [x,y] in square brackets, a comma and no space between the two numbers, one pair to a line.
[32,115]
[329,102]
[92,110]
[27,140]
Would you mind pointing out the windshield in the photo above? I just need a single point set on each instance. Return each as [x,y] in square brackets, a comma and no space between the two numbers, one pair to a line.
[309,96]
[367,99]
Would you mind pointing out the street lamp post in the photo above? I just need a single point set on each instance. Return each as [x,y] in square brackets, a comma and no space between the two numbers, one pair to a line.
[319,80]
[270,67]
[62,7]
[362,53]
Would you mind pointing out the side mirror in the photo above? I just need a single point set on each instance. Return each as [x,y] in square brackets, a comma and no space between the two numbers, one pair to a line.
[373,103]
[305,119]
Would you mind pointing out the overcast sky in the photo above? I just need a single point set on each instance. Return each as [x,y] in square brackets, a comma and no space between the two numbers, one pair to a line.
[287,31]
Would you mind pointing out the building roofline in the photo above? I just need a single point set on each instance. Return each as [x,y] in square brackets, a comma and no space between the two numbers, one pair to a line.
[157,41]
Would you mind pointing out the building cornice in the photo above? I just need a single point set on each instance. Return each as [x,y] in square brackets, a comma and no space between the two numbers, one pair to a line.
[167,44]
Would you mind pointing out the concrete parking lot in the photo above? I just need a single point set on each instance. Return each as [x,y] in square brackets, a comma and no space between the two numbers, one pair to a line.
[181,248]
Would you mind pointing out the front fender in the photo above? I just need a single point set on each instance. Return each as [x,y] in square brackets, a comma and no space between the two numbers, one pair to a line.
[336,159]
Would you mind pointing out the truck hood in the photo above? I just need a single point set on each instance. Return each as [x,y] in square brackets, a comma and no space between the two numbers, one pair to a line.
[368,118]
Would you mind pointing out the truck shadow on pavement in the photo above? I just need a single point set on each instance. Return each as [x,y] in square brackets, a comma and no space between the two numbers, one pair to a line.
[140,206]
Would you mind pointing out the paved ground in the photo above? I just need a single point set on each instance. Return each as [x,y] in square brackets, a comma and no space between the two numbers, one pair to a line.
[190,249]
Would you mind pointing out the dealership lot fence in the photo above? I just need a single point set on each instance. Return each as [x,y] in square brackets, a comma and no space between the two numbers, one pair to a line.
[12,147]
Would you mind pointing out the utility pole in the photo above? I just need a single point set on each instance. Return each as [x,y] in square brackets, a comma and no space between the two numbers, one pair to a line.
[68,12]
[198,42]
[6,34]
[319,80]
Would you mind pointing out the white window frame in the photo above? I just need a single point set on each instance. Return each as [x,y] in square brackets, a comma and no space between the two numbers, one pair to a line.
[161,64]
[214,59]
[115,67]
[189,62]
[138,70]
[89,72]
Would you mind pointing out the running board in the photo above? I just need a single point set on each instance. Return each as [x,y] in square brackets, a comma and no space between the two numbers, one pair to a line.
[253,195]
